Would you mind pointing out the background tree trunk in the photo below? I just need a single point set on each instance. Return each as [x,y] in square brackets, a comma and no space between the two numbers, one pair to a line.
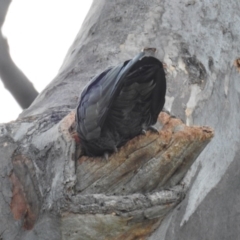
[12,77]
[199,43]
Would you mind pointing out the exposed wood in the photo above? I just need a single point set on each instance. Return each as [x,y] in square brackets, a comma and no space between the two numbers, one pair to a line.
[198,41]
[126,196]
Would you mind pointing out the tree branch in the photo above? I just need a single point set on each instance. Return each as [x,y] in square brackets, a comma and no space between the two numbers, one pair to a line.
[12,77]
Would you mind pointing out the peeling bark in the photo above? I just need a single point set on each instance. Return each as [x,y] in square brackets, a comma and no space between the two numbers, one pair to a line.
[138,189]
[125,196]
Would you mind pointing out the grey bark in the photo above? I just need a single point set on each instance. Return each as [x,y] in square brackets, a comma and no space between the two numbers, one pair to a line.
[12,77]
[199,43]
[209,32]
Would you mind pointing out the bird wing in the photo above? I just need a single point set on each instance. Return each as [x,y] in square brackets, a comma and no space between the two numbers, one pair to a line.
[97,97]
[140,99]
[146,70]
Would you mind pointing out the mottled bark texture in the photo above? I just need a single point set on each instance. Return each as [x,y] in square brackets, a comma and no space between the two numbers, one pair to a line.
[48,192]
[12,77]
[45,179]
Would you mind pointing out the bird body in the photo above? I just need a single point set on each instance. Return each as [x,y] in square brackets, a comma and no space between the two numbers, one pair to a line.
[120,103]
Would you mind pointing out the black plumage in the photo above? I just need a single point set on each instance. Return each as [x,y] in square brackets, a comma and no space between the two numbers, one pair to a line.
[120,103]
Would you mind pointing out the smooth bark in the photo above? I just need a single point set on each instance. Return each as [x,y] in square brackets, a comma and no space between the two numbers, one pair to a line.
[198,41]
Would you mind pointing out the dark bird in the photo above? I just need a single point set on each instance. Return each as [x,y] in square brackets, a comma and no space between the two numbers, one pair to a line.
[120,103]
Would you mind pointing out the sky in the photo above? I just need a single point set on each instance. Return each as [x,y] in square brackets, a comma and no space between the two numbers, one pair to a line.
[39,34]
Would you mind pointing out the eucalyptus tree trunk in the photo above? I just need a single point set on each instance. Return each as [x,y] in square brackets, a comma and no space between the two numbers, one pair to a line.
[50,191]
